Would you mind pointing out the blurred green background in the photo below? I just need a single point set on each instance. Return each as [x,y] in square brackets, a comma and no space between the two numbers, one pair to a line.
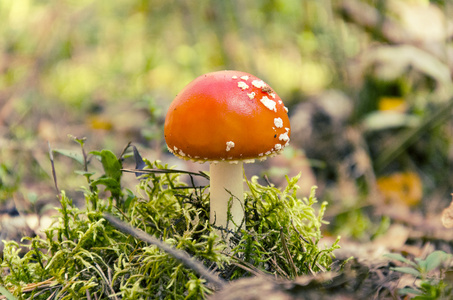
[368,85]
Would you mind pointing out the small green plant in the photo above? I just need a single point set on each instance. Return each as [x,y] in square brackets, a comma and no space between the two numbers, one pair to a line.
[429,274]
[83,256]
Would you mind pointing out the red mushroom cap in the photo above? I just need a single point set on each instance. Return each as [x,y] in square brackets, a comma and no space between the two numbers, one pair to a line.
[226,115]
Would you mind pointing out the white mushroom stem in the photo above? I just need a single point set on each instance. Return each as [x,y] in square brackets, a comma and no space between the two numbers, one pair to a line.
[227,187]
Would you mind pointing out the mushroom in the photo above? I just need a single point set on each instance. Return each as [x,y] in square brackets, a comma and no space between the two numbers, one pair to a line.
[226,118]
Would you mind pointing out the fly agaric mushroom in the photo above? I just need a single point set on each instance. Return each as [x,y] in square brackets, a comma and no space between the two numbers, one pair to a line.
[226,118]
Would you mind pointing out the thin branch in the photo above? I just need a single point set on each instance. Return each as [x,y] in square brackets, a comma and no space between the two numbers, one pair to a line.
[166,171]
[180,255]
[53,168]
[288,254]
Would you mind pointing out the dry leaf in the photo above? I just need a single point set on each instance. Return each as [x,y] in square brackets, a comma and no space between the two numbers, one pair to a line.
[447,216]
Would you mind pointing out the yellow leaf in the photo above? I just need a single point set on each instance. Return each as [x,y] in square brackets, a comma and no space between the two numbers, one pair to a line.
[99,123]
[401,187]
[392,104]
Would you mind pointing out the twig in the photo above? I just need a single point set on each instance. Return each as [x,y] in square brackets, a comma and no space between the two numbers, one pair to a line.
[166,171]
[282,273]
[125,149]
[85,160]
[305,250]
[288,254]
[109,283]
[34,286]
[180,255]
[53,168]
[248,268]
[301,236]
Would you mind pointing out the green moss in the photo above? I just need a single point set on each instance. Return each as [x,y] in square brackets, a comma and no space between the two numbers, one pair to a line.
[81,255]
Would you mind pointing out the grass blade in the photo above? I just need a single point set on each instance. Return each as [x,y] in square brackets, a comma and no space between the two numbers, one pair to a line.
[7,293]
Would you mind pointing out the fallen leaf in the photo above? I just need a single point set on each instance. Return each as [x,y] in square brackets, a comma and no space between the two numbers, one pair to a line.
[402,187]
[447,216]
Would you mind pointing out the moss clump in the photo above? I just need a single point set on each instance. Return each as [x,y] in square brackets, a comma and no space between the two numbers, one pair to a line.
[82,256]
